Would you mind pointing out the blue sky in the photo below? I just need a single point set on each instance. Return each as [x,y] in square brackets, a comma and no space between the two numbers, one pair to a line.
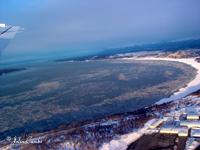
[77,26]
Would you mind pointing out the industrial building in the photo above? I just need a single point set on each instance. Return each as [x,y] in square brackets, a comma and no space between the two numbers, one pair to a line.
[195,132]
[156,123]
[190,123]
[180,131]
[192,113]
[180,122]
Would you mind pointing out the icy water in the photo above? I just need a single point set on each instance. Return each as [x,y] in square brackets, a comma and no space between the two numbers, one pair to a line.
[50,94]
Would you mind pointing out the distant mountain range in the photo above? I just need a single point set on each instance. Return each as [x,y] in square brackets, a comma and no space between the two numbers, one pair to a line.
[164,46]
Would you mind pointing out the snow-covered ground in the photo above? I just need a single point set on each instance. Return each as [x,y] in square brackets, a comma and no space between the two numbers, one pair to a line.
[191,144]
[123,141]
[191,87]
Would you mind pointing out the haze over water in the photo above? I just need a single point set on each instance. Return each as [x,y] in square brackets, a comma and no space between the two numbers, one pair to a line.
[76,26]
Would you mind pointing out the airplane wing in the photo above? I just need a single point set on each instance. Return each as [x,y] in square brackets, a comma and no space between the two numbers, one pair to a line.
[7,33]
[4,31]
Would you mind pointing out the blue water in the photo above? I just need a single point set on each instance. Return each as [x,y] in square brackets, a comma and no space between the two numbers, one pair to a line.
[22,59]
[49,94]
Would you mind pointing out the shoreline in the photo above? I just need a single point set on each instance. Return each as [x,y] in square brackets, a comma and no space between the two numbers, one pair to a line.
[122,140]
[190,88]
[10,70]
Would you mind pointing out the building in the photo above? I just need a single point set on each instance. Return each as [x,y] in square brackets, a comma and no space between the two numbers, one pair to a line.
[156,123]
[192,113]
[192,117]
[180,131]
[191,123]
[195,132]
[169,130]
[183,131]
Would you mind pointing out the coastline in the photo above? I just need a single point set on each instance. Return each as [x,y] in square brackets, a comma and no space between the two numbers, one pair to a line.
[120,140]
[125,140]
[191,87]
[10,70]
[194,85]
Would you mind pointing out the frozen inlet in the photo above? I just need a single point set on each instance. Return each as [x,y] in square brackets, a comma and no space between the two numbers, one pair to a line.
[2,25]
